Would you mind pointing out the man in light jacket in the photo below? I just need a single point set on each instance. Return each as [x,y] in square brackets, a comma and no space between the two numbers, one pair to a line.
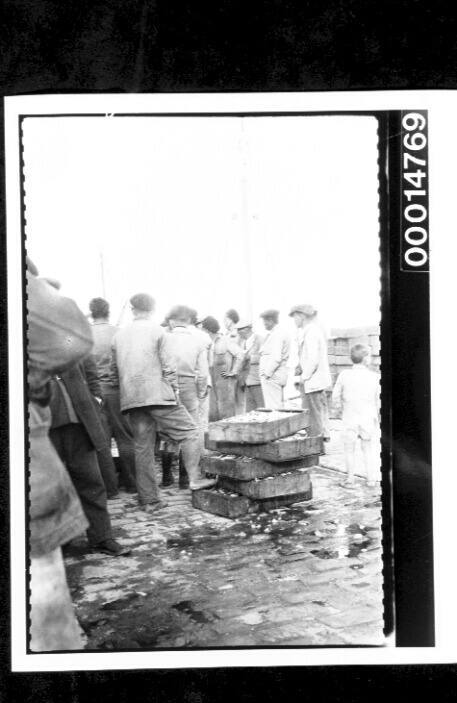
[145,370]
[191,354]
[313,368]
[273,357]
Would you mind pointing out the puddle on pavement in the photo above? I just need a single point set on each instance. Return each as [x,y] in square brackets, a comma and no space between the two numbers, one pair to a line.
[187,607]
[351,551]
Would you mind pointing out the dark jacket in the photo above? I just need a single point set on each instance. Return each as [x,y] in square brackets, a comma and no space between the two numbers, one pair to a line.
[58,336]
[82,385]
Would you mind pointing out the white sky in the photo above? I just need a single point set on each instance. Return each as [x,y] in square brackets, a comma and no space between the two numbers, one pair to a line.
[215,212]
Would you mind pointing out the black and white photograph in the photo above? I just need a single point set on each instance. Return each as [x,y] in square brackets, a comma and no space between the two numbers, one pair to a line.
[202,290]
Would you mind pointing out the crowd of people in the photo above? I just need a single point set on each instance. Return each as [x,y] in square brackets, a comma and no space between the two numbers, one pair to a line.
[153,388]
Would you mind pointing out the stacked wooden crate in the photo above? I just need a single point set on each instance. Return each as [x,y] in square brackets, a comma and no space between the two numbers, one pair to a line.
[262,461]
[339,349]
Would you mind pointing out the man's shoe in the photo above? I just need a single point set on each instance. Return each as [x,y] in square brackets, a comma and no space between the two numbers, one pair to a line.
[111,547]
[154,507]
[202,483]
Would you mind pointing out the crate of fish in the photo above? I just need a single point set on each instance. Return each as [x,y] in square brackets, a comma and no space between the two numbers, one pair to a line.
[259,426]
[245,468]
[292,448]
[287,483]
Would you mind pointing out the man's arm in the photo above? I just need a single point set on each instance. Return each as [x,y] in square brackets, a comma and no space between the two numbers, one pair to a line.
[310,354]
[113,370]
[276,343]
[238,357]
[202,372]
[90,370]
[168,362]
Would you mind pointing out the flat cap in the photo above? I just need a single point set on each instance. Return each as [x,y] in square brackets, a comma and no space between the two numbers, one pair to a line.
[142,301]
[210,324]
[270,315]
[307,310]
[242,324]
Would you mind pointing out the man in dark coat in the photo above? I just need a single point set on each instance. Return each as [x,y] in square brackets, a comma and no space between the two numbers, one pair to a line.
[114,423]
[77,432]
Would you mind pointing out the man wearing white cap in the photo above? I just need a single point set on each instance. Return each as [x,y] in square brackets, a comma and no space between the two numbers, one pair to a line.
[313,368]
[249,378]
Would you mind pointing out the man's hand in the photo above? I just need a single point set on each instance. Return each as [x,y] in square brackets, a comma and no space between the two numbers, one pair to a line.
[298,370]
[99,400]
[228,374]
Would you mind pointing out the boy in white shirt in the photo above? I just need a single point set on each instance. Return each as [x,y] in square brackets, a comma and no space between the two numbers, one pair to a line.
[357,393]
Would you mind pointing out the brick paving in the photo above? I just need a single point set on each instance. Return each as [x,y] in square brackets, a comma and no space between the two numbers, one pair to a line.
[309,574]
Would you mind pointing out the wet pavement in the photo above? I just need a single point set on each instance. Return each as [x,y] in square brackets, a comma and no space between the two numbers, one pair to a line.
[310,574]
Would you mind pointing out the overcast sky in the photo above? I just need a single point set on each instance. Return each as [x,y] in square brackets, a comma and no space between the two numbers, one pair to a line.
[250,213]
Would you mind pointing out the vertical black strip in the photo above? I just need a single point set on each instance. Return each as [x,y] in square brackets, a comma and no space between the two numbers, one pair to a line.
[25,359]
[386,374]
[411,426]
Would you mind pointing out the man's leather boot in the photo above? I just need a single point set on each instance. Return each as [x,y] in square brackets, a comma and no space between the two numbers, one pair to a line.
[167,473]
[183,477]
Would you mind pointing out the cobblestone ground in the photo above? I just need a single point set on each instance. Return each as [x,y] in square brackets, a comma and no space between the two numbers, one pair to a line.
[305,575]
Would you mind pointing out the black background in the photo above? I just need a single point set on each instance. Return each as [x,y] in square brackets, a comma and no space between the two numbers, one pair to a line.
[128,46]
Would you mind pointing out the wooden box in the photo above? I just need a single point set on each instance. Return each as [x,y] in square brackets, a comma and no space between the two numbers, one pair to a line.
[291,448]
[246,468]
[258,426]
[221,503]
[283,501]
[272,487]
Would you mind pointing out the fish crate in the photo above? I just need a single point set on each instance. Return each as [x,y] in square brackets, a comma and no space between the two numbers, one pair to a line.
[222,502]
[290,483]
[259,426]
[264,506]
[294,447]
[245,468]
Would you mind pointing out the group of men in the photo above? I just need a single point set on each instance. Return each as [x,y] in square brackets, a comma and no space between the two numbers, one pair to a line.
[145,384]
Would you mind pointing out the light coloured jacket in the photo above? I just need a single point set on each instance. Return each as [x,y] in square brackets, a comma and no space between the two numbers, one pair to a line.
[273,356]
[313,359]
[191,356]
[143,365]
[250,370]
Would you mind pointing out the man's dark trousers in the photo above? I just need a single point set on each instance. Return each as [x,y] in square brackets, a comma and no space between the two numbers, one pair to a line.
[116,425]
[78,454]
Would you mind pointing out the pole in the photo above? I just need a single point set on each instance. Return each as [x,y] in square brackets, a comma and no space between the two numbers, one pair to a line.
[245,223]
[102,271]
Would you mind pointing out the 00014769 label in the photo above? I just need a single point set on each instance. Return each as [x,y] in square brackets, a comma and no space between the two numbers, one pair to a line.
[414,192]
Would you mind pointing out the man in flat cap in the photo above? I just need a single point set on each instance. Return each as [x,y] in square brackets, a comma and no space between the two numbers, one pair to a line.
[313,367]
[273,357]
[145,369]
[191,354]
[249,379]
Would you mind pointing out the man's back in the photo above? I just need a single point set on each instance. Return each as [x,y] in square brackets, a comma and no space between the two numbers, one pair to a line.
[103,334]
[145,365]
[189,352]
